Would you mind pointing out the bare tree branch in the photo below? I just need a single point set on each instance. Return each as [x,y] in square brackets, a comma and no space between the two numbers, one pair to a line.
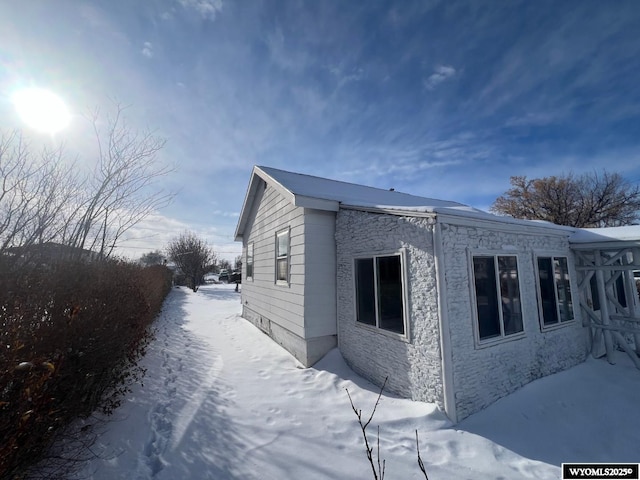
[44,198]
[420,463]
[379,473]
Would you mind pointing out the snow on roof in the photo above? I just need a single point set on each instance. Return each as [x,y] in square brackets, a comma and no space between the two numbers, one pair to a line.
[355,195]
[361,196]
[322,193]
[630,233]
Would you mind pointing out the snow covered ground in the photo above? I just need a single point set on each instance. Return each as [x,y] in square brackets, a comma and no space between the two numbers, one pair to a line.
[222,401]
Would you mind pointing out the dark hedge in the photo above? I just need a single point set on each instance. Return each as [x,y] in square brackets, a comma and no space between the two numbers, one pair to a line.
[70,338]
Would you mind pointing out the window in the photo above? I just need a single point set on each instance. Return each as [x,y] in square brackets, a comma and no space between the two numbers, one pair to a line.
[497,296]
[555,290]
[617,289]
[282,256]
[249,261]
[379,292]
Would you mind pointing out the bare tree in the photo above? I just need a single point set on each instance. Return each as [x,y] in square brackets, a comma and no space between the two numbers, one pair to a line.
[44,199]
[152,258]
[224,265]
[119,194]
[192,256]
[36,189]
[588,200]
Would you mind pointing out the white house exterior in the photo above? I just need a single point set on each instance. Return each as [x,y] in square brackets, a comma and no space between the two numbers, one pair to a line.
[451,304]
[291,293]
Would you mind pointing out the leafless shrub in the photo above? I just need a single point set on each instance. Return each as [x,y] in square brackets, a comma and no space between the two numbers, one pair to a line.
[378,474]
[379,471]
[420,463]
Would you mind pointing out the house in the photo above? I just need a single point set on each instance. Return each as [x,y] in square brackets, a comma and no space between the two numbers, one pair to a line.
[451,304]
[48,253]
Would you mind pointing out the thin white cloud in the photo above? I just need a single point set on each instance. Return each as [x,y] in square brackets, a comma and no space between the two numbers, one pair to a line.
[440,74]
[207,9]
[147,49]
[222,213]
[156,231]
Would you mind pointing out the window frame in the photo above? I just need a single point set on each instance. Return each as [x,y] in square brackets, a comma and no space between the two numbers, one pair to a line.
[401,254]
[249,262]
[502,338]
[286,257]
[560,324]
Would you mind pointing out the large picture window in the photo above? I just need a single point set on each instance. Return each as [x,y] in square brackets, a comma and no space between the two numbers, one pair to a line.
[249,260]
[555,290]
[497,288]
[379,292]
[282,256]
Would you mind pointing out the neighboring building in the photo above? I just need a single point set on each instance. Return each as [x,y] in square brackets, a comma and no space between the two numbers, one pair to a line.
[454,305]
[47,253]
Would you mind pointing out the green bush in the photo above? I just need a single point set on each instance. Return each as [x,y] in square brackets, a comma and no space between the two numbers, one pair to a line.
[70,338]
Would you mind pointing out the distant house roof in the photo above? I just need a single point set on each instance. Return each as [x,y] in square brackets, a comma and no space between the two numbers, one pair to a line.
[49,251]
[324,194]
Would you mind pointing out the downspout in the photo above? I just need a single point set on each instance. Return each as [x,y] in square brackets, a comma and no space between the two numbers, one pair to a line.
[443,323]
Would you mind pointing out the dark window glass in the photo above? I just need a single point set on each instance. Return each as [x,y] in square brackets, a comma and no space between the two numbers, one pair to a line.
[486,297]
[365,291]
[563,286]
[620,293]
[510,295]
[547,291]
[595,298]
[390,294]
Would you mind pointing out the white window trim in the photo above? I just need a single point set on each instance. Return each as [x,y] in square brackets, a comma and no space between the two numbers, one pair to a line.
[405,337]
[490,342]
[253,253]
[559,325]
[286,282]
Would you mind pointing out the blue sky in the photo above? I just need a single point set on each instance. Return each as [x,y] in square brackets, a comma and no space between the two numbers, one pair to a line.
[440,99]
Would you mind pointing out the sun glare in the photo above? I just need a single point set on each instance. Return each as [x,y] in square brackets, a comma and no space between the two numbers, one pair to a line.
[41,109]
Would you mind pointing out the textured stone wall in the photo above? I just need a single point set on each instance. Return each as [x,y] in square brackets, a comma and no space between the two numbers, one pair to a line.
[483,374]
[412,364]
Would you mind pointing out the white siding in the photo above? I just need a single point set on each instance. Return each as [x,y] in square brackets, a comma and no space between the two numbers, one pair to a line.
[282,304]
[301,316]
[320,278]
